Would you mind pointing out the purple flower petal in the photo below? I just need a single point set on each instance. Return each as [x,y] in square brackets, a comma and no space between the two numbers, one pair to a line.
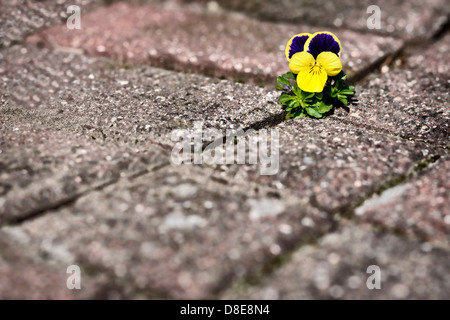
[323,41]
[297,45]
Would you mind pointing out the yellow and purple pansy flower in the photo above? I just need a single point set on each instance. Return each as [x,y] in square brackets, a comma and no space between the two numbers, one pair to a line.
[314,57]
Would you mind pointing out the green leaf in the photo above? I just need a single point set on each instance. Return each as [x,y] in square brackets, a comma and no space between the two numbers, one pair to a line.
[341,76]
[299,114]
[343,100]
[295,114]
[319,95]
[298,92]
[285,98]
[323,107]
[292,104]
[307,95]
[289,115]
[350,88]
[281,80]
[313,112]
[289,75]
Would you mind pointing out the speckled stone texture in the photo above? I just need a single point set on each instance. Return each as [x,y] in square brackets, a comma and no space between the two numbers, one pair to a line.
[41,168]
[411,102]
[337,269]
[419,207]
[333,164]
[175,233]
[24,275]
[413,20]
[87,177]
[117,102]
[234,47]
[19,18]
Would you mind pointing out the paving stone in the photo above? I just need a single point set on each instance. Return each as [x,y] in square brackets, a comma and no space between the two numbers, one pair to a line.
[125,103]
[24,277]
[412,103]
[19,18]
[175,233]
[333,164]
[219,45]
[420,207]
[409,19]
[41,168]
[433,61]
[337,269]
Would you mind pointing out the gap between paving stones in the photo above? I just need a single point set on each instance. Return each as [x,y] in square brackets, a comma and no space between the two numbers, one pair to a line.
[349,215]
[268,268]
[418,168]
[199,56]
[68,201]
[265,123]
[304,234]
[389,61]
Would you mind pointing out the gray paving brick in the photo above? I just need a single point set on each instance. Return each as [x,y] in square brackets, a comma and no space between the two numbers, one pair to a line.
[336,268]
[175,233]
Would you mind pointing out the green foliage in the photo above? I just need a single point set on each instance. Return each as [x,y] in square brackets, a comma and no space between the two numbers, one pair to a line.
[299,103]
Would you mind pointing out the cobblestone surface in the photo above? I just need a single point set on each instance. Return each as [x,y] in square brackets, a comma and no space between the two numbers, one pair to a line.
[410,209]
[176,233]
[87,175]
[413,102]
[238,48]
[25,276]
[337,269]
[334,164]
[19,18]
[145,104]
[409,19]
[42,168]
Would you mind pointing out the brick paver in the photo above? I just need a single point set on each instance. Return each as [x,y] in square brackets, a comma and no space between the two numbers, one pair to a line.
[42,168]
[409,19]
[411,102]
[72,92]
[337,269]
[418,207]
[86,178]
[334,164]
[234,47]
[24,275]
[176,233]
[19,18]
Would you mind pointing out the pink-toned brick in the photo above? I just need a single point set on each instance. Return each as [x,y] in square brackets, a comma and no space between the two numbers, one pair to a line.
[214,44]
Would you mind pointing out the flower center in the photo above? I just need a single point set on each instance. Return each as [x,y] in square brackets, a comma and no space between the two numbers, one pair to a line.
[315,69]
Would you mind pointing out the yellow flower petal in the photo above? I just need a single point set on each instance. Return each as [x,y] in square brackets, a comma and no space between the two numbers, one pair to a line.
[330,62]
[312,79]
[288,46]
[301,60]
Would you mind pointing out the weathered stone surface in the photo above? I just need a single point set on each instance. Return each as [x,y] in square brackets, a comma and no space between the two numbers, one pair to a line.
[410,19]
[83,182]
[116,102]
[420,207]
[336,268]
[41,168]
[25,277]
[334,164]
[434,61]
[175,233]
[411,102]
[220,45]
[19,18]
